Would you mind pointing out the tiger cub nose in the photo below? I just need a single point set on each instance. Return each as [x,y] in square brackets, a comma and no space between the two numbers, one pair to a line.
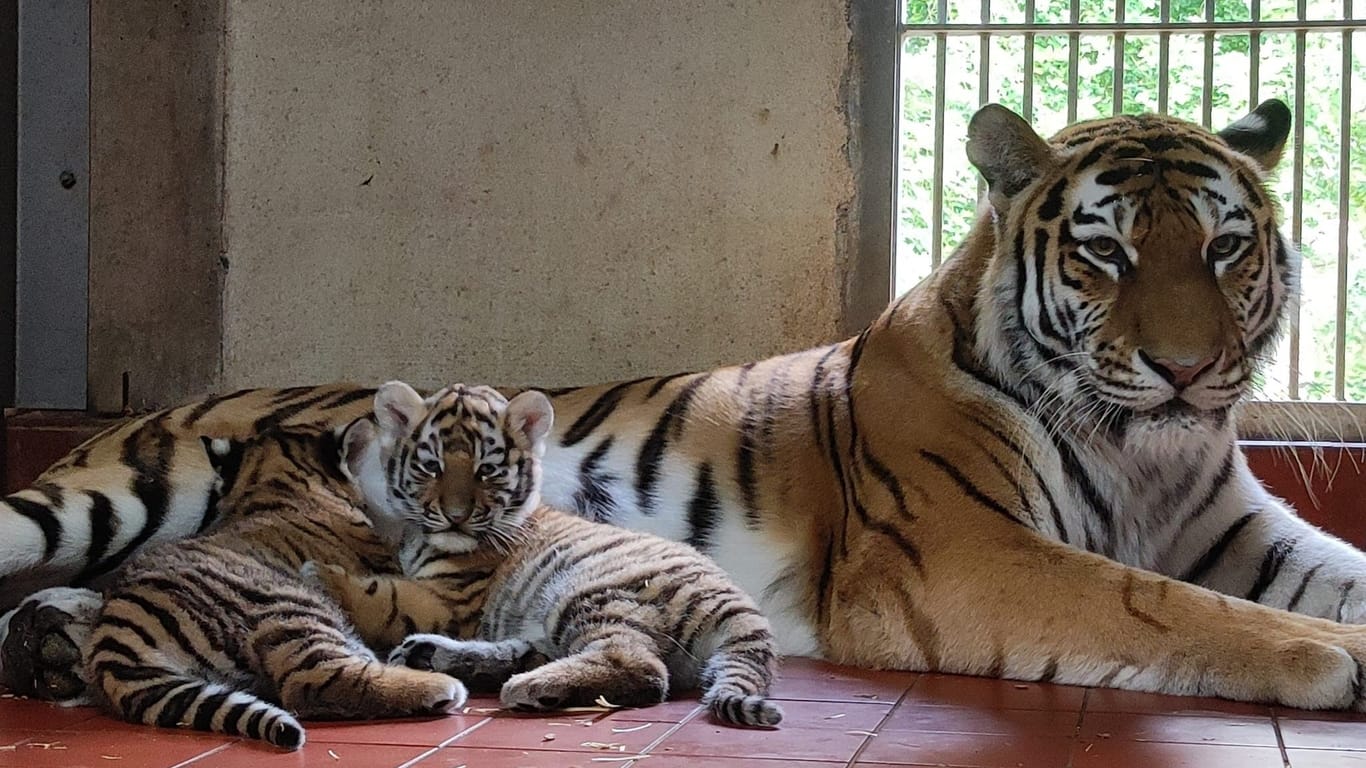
[1180,372]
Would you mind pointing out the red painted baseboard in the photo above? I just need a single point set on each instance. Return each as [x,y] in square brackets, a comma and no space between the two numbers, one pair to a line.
[1324,482]
[35,440]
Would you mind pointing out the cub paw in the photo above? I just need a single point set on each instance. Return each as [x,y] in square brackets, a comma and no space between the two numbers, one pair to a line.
[41,642]
[442,695]
[419,651]
[535,693]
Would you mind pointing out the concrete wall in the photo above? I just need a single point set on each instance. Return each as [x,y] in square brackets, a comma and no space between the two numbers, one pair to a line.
[155,213]
[528,191]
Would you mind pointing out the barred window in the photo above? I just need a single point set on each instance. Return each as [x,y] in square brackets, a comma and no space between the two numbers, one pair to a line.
[1210,61]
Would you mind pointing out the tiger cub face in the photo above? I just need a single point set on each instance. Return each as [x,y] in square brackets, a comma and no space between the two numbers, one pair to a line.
[464,462]
[1138,266]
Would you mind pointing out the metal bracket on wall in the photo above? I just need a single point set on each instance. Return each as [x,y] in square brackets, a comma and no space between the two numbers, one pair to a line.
[52,266]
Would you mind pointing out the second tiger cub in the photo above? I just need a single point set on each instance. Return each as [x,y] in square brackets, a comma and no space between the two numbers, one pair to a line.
[553,609]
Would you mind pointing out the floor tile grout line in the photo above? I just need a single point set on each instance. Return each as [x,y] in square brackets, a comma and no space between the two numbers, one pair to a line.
[867,740]
[1280,739]
[645,750]
[203,755]
[1075,739]
[446,743]
[688,718]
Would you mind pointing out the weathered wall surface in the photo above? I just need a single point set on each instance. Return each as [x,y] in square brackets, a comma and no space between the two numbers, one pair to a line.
[528,191]
[155,162]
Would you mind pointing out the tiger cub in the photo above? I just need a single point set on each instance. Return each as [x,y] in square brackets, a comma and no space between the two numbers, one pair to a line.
[220,632]
[554,609]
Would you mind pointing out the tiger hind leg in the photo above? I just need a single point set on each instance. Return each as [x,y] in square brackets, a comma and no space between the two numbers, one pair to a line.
[482,665]
[41,641]
[337,678]
[625,672]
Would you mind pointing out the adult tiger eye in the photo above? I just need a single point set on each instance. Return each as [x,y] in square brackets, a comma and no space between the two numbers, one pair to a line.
[1224,246]
[1103,247]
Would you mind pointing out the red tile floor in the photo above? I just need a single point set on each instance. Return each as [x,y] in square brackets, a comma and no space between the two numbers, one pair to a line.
[836,716]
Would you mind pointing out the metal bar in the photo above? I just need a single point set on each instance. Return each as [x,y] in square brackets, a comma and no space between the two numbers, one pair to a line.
[9,145]
[1207,93]
[1322,423]
[1164,54]
[1297,204]
[1119,60]
[894,209]
[53,242]
[1073,61]
[984,77]
[984,54]
[937,191]
[1344,212]
[1138,27]
[1254,57]
[1029,65]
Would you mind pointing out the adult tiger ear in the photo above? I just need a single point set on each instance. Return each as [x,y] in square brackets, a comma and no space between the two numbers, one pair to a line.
[397,408]
[1262,133]
[530,416]
[225,458]
[356,440]
[1007,151]
[223,452]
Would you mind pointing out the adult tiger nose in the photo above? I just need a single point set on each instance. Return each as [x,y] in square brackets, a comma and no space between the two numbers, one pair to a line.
[1180,372]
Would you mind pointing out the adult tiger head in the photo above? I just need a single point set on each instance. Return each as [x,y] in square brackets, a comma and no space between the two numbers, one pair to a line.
[1137,263]
[464,461]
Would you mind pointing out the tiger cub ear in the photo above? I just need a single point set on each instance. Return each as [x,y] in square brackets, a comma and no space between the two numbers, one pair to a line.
[530,416]
[397,408]
[1007,151]
[1262,133]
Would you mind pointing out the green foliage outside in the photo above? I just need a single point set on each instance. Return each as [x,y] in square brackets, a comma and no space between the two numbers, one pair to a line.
[1231,89]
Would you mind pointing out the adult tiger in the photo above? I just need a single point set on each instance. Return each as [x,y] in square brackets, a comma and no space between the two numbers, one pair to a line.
[988,480]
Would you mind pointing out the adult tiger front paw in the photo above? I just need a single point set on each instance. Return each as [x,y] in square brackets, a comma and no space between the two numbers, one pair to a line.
[41,644]
[1326,672]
